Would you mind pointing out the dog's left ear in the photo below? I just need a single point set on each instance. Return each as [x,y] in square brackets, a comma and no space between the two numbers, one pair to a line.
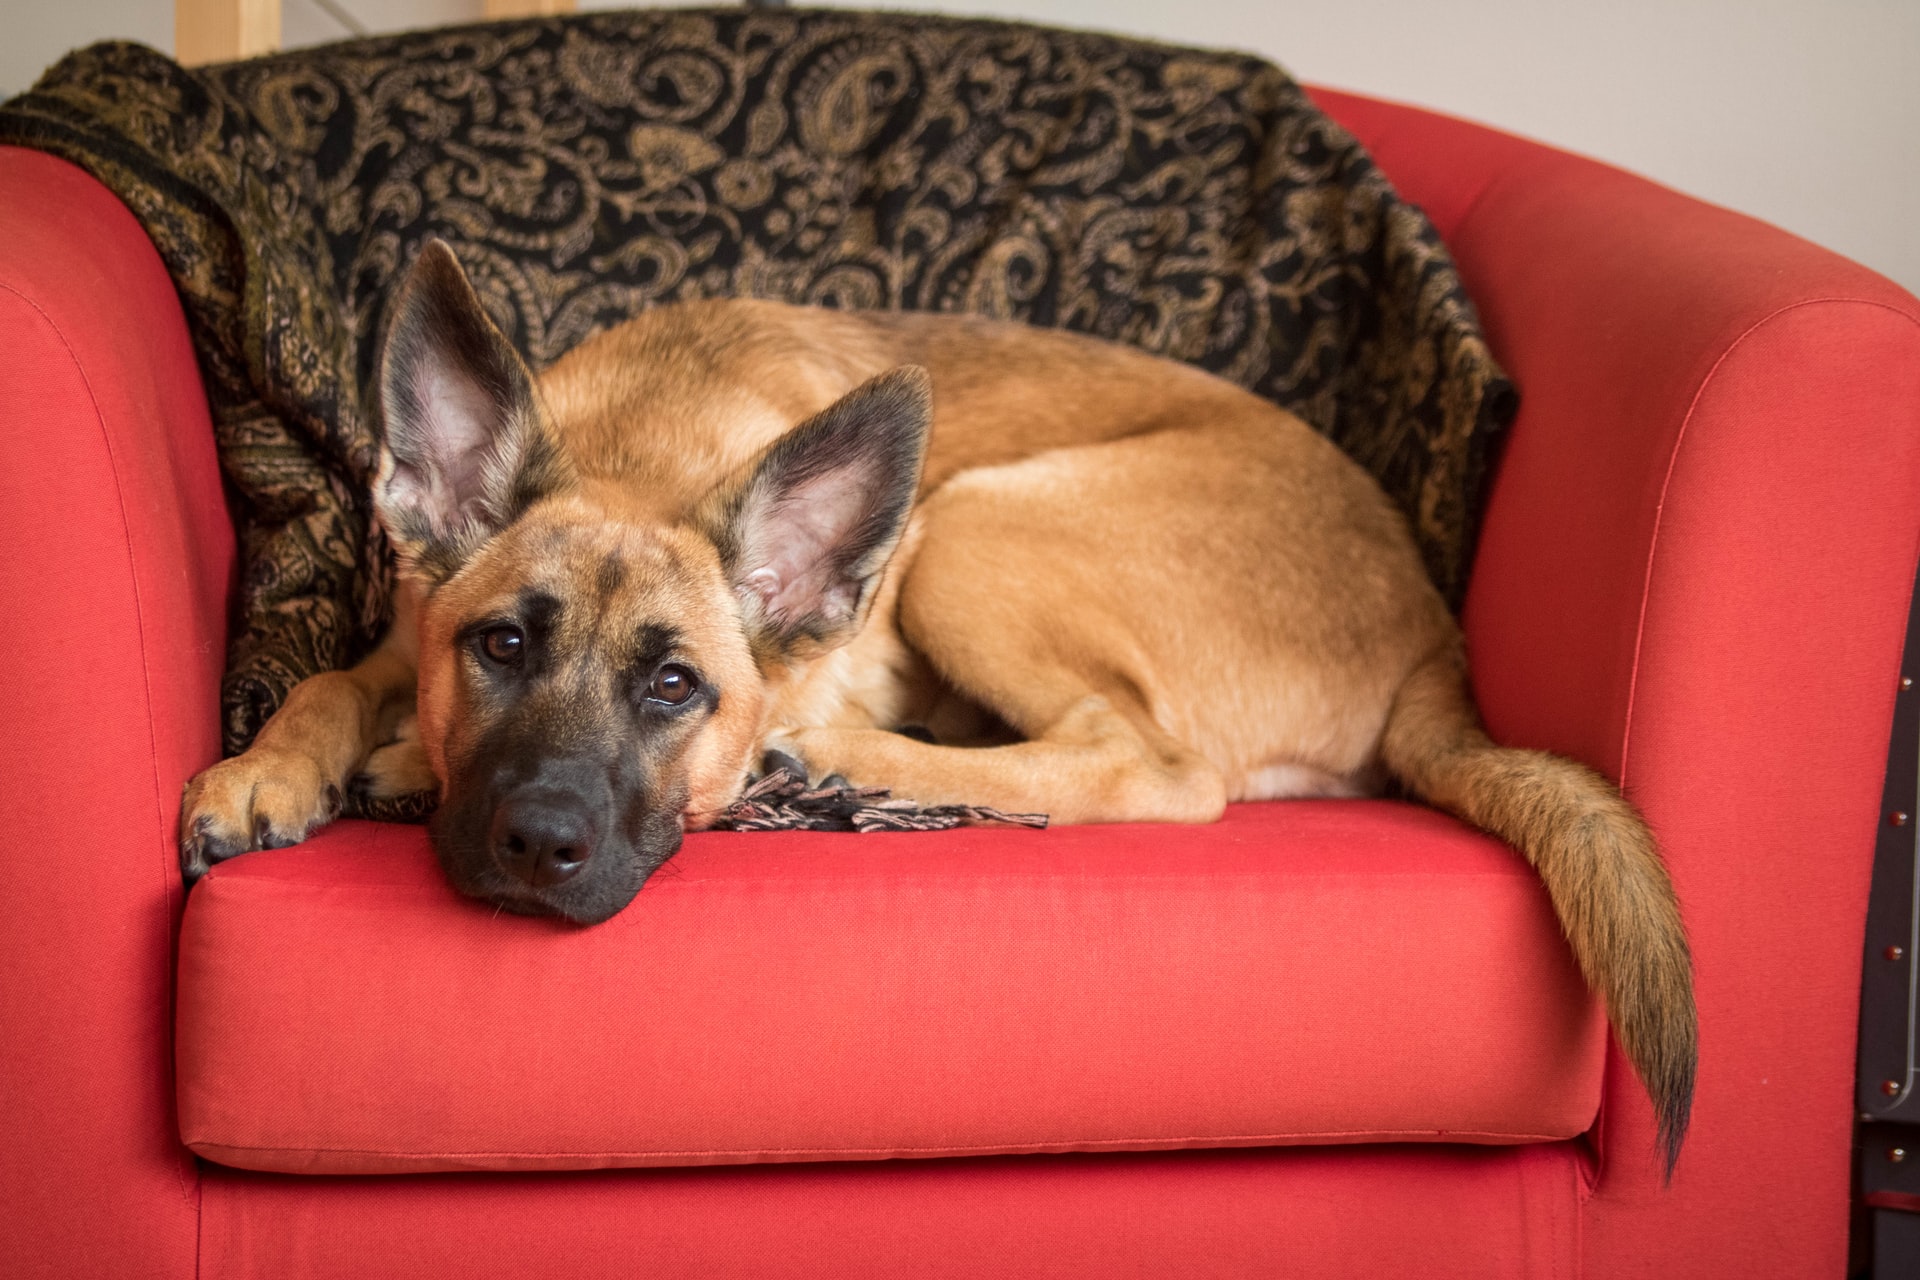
[465,452]
[805,535]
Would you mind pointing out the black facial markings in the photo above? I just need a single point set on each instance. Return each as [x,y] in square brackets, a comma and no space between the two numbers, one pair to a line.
[540,616]
[539,611]
[608,577]
[654,644]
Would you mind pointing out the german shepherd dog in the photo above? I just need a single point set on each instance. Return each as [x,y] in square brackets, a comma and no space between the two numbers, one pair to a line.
[1113,587]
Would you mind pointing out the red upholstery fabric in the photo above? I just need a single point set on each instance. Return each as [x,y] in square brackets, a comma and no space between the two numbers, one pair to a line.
[1694,575]
[1300,973]
[1699,548]
[115,550]
[1436,1213]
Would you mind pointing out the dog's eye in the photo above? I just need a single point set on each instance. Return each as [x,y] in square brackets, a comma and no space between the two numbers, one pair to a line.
[672,684]
[504,645]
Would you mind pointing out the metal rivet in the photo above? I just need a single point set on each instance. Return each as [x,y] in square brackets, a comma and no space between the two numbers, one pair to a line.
[1889,1087]
[1898,817]
[1895,953]
[1906,683]
[1896,1154]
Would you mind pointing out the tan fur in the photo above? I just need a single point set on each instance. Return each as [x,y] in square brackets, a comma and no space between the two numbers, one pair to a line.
[1129,591]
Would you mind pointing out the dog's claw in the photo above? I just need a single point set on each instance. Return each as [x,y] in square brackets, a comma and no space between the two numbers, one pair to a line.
[194,861]
[266,837]
[202,849]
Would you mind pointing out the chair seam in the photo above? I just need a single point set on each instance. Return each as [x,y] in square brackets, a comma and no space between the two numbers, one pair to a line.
[1666,483]
[1475,1137]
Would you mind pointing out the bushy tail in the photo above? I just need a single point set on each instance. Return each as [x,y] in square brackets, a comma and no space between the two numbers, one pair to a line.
[1596,856]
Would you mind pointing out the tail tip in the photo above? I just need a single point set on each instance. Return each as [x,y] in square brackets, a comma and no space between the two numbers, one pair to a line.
[1673,1109]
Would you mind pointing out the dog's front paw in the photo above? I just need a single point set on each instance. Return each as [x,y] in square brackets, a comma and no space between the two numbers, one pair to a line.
[398,769]
[396,784]
[259,800]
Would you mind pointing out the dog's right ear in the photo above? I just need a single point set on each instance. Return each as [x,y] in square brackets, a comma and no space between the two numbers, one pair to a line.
[464,452]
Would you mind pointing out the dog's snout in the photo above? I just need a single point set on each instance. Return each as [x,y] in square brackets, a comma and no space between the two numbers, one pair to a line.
[543,838]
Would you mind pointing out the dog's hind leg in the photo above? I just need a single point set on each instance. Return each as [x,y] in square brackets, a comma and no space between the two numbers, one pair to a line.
[977,608]
[1094,763]
[1149,615]
[293,778]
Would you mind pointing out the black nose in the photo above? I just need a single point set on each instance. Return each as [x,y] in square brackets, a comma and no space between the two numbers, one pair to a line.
[543,838]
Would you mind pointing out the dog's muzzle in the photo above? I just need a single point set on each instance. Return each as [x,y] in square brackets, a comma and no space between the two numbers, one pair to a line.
[558,837]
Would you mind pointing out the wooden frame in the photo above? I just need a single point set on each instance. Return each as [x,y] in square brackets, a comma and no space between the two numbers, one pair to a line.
[222,30]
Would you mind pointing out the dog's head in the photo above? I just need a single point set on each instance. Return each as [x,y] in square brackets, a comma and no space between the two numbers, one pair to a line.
[594,663]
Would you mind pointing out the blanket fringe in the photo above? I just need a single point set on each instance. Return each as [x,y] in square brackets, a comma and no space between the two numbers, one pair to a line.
[781,800]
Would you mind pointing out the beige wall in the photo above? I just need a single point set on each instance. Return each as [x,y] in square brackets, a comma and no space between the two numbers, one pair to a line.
[33,33]
[1803,112]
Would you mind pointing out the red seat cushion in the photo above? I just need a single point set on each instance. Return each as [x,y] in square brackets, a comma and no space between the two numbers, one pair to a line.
[1309,972]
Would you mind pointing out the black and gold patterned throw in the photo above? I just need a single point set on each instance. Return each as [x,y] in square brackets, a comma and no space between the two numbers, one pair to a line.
[779,798]
[1194,204]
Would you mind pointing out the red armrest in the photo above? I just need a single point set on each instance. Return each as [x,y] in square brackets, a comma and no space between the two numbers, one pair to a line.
[1694,575]
[115,557]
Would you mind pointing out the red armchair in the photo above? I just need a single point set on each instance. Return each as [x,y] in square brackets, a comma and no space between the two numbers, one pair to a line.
[1693,576]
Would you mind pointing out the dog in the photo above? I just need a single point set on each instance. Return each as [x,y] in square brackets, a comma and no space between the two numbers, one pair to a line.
[1113,588]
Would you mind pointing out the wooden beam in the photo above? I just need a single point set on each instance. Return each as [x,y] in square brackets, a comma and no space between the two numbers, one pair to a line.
[222,30]
[526,8]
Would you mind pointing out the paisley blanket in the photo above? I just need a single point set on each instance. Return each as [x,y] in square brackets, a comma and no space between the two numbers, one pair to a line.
[1195,204]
